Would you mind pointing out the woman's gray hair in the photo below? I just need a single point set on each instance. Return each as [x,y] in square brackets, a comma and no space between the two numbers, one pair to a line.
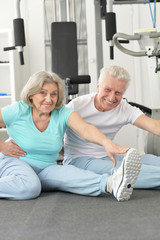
[115,71]
[35,84]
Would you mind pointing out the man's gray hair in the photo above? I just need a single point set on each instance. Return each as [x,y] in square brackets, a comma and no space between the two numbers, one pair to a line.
[115,71]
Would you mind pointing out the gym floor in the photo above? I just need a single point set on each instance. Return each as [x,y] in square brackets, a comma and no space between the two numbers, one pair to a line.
[65,216]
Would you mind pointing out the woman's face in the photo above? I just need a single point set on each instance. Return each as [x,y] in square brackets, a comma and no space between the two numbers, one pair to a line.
[45,100]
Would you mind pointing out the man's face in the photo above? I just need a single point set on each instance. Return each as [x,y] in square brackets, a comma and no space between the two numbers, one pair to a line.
[109,93]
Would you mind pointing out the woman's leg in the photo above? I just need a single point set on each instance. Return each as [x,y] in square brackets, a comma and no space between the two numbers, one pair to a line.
[18,181]
[76,180]
[72,179]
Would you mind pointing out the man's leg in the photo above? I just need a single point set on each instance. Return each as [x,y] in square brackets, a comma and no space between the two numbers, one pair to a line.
[97,165]
[18,181]
[149,176]
[149,159]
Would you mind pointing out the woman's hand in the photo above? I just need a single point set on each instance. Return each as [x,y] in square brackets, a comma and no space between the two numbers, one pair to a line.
[62,151]
[113,148]
[11,149]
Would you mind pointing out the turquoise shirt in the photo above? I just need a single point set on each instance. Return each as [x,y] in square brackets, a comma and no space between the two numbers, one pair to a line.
[42,148]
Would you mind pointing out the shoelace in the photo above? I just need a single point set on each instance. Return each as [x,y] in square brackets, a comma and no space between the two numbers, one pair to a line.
[113,170]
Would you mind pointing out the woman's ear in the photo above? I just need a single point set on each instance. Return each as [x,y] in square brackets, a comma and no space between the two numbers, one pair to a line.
[31,99]
[97,87]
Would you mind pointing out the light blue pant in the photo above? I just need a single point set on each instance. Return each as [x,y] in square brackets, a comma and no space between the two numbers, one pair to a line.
[149,176]
[20,181]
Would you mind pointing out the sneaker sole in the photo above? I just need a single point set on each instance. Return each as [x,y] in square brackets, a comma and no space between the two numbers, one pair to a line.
[131,168]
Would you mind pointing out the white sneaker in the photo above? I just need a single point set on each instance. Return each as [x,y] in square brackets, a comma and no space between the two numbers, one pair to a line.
[121,183]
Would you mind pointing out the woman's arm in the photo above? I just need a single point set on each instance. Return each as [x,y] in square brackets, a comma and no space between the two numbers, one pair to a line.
[10,148]
[91,134]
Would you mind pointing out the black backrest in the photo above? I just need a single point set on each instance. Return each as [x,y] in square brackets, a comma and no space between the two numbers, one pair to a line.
[64,51]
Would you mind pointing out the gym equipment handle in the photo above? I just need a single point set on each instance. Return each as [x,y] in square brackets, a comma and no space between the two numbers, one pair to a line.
[81,79]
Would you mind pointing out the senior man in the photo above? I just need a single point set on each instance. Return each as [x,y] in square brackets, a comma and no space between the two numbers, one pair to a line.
[109,112]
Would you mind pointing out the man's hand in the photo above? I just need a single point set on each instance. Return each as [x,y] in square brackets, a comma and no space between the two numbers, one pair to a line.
[11,149]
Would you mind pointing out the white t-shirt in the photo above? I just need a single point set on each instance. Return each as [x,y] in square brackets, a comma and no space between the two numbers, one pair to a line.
[108,122]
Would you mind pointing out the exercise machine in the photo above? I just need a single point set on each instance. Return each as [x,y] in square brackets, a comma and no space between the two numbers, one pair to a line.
[149,42]
[19,33]
[65,57]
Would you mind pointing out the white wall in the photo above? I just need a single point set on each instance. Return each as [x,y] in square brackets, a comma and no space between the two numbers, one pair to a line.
[34,53]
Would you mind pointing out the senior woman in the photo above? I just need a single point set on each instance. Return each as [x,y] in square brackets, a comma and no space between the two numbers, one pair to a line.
[36,126]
